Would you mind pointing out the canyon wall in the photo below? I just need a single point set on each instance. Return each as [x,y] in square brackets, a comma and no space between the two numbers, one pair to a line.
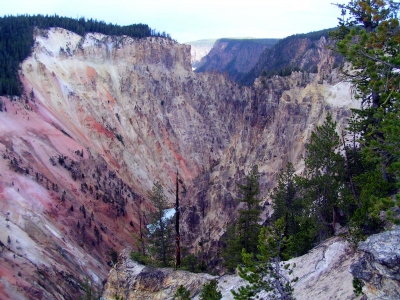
[199,49]
[102,119]
[234,56]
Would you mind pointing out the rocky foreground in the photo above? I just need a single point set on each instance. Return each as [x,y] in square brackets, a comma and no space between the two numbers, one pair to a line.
[322,274]
[326,272]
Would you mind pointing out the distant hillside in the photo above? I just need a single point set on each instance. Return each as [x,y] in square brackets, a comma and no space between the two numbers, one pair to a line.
[235,56]
[199,49]
[16,40]
[300,52]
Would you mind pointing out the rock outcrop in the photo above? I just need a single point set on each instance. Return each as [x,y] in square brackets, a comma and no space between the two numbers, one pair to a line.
[130,280]
[323,273]
[379,267]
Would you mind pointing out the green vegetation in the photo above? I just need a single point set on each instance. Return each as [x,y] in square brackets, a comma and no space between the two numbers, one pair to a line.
[323,187]
[141,258]
[113,256]
[91,290]
[265,272]
[16,40]
[288,206]
[345,181]
[157,247]
[244,232]
[182,293]
[210,291]
[369,38]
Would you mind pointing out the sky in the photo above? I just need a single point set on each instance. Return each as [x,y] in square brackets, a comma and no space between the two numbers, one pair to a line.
[190,20]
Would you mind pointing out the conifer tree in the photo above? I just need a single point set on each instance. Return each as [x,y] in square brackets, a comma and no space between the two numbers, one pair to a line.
[324,178]
[369,38]
[182,293]
[243,234]
[210,291]
[247,223]
[160,237]
[265,273]
[286,205]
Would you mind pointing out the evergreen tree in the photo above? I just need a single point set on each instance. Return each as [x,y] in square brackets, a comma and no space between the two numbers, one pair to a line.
[160,237]
[247,223]
[182,293]
[210,291]
[369,38]
[232,253]
[244,232]
[265,273]
[324,181]
[286,205]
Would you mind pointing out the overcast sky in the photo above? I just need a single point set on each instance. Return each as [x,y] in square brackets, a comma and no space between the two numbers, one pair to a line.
[189,20]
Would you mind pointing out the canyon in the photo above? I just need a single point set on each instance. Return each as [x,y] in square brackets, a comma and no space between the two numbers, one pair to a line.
[235,56]
[104,117]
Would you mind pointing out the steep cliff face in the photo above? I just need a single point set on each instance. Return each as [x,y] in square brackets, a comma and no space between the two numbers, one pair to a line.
[105,117]
[271,131]
[234,56]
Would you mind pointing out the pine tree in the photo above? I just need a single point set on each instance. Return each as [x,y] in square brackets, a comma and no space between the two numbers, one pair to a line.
[265,273]
[324,178]
[244,232]
[182,293]
[232,253]
[286,205]
[160,238]
[210,291]
[247,223]
[369,38]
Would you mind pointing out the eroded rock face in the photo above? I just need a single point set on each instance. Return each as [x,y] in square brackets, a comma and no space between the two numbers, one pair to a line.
[105,117]
[234,56]
[379,267]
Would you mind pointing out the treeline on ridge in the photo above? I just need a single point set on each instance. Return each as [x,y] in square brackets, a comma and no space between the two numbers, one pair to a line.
[16,40]
[279,59]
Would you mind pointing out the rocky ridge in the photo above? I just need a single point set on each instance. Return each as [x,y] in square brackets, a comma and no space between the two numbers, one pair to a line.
[321,274]
[298,52]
